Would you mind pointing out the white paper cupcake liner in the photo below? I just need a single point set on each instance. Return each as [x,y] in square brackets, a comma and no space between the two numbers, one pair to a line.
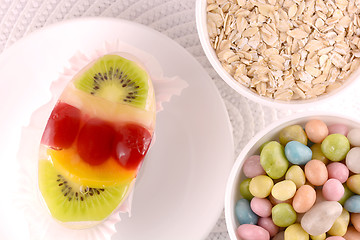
[28,198]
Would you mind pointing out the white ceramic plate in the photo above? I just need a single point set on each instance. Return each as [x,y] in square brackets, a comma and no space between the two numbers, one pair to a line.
[181,190]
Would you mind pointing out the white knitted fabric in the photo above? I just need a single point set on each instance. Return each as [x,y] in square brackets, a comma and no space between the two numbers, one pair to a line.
[174,18]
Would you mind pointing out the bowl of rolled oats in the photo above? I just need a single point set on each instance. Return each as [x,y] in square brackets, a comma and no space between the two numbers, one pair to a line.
[282,52]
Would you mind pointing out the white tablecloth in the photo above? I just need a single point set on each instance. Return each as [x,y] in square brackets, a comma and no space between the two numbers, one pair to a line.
[174,18]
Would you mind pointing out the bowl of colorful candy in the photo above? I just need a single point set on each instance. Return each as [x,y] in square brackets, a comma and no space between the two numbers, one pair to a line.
[274,53]
[296,179]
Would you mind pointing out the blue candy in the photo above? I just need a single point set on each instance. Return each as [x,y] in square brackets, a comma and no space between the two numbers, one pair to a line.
[244,213]
[297,153]
[353,204]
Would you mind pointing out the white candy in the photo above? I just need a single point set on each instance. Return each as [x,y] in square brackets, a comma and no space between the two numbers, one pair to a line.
[354,137]
[353,160]
[321,217]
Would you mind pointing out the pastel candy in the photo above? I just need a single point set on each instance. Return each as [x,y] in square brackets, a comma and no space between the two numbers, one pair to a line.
[297,153]
[297,175]
[353,183]
[354,137]
[292,133]
[252,167]
[295,231]
[355,220]
[273,160]
[316,172]
[353,160]
[283,190]
[338,128]
[252,232]
[321,217]
[338,171]
[304,199]
[260,186]
[352,234]
[283,214]
[340,225]
[335,238]
[353,204]
[261,206]
[318,237]
[335,147]
[244,213]
[333,190]
[316,130]
[268,224]
[347,193]
[279,236]
[244,189]
[317,153]
[275,201]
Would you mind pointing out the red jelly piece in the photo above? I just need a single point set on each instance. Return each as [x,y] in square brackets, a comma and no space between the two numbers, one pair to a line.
[131,144]
[62,126]
[95,141]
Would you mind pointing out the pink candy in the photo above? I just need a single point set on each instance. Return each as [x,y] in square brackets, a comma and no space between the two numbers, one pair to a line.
[333,190]
[252,167]
[268,224]
[335,238]
[261,206]
[338,171]
[252,232]
[338,128]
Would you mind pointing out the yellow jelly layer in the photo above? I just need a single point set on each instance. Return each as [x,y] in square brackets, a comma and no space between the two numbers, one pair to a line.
[94,106]
[71,166]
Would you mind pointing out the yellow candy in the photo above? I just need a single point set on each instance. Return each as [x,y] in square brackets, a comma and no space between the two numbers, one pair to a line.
[353,183]
[260,186]
[284,190]
[318,237]
[295,232]
[296,174]
[317,153]
[340,225]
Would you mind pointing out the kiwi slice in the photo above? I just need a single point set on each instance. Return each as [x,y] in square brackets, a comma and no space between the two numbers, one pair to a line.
[116,79]
[70,202]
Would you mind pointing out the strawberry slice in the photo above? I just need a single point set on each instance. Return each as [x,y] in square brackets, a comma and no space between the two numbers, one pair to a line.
[130,145]
[62,126]
[95,140]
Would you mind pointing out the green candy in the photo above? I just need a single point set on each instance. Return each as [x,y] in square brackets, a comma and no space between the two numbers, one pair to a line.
[293,133]
[263,145]
[347,194]
[273,160]
[244,189]
[283,215]
[335,147]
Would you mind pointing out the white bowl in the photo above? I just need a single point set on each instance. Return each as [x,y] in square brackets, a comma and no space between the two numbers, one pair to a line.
[232,194]
[201,22]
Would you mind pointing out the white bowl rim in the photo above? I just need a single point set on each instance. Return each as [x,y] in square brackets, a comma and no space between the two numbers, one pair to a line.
[236,170]
[201,25]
